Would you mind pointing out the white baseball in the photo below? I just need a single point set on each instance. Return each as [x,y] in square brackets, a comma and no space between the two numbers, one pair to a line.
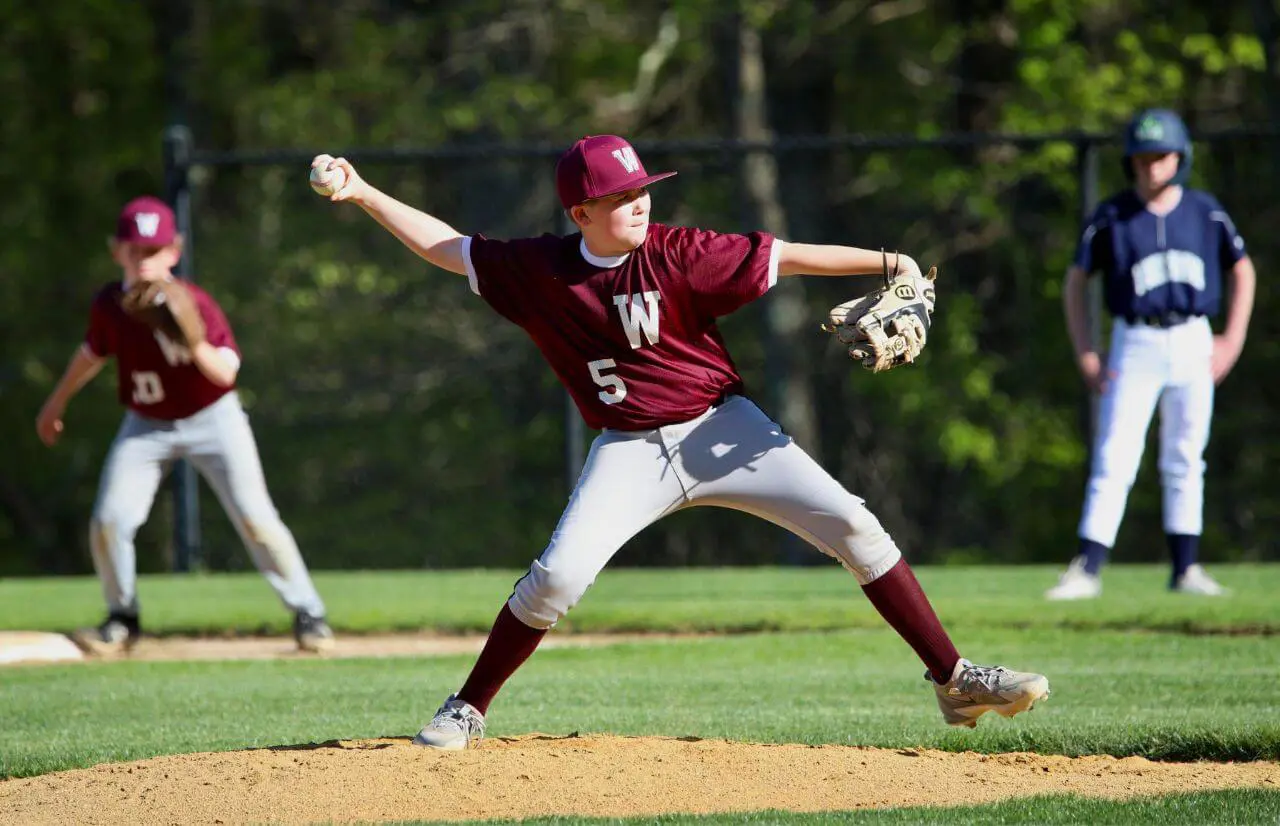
[327,181]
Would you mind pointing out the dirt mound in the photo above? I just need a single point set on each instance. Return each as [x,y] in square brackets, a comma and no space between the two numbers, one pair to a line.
[601,775]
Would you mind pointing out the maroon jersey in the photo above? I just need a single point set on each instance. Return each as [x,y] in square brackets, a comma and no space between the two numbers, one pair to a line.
[636,344]
[155,377]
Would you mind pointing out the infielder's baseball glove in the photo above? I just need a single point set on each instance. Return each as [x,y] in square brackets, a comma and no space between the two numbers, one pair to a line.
[167,306]
[888,326]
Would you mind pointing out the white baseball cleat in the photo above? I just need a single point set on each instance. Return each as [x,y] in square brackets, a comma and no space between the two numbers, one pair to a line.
[1196,580]
[456,726]
[973,690]
[1076,583]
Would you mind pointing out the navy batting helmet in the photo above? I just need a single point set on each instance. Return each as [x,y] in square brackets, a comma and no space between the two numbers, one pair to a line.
[1158,130]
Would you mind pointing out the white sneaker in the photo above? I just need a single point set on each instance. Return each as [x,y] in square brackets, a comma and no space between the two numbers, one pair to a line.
[1076,583]
[1195,580]
[456,726]
[973,690]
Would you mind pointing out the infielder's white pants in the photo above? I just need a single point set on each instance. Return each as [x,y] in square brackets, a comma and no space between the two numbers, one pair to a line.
[1169,366]
[219,444]
[732,456]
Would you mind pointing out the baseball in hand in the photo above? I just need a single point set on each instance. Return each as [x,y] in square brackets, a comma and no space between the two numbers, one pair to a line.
[327,181]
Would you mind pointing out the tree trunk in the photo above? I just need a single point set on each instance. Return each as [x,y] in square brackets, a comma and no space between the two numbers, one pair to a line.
[786,314]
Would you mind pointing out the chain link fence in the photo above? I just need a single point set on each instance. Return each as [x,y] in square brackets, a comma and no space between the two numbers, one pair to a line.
[403,424]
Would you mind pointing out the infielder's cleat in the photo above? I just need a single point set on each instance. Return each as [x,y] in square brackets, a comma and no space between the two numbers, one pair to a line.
[312,634]
[117,634]
[456,726]
[1196,580]
[1076,583]
[973,690]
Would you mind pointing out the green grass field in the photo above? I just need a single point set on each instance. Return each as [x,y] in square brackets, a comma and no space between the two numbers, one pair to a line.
[1139,672]
[730,600]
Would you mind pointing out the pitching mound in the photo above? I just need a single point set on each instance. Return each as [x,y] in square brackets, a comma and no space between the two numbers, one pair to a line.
[578,775]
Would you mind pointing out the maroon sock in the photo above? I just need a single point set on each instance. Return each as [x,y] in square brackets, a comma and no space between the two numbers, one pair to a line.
[901,601]
[510,643]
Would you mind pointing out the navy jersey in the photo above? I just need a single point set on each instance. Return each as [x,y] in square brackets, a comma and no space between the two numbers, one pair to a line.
[1157,264]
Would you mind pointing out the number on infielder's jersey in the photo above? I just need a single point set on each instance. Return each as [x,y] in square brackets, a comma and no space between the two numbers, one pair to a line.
[147,388]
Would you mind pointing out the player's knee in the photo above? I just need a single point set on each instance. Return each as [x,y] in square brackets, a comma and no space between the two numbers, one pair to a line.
[869,551]
[109,524]
[264,528]
[546,594]
[872,558]
[1175,468]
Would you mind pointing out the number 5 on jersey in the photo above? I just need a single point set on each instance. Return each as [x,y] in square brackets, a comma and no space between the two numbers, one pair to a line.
[617,390]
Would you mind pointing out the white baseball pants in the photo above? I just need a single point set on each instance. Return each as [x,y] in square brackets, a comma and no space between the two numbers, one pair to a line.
[732,456]
[1170,366]
[219,444]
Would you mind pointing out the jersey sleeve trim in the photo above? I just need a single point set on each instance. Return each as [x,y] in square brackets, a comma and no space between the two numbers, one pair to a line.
[88,351]
[472,278]
[775,256]
[231,356]
[1223,218]
[1093,229]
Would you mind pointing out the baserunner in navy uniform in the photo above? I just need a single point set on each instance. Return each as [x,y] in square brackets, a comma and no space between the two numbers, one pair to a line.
[1163,250]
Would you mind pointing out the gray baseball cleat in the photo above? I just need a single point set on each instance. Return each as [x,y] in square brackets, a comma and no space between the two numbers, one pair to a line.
[312,634]
[973,690]
[117,634]
[456,726]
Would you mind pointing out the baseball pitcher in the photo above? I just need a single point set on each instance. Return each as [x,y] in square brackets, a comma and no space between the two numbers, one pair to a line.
[1163,250]
[176,367]
[624,310]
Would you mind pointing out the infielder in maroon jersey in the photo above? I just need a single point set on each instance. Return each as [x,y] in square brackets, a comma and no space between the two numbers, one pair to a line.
[181,403]
[625,312]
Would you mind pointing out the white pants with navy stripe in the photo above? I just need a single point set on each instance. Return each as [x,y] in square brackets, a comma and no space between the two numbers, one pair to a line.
[219,443]
[1171,368]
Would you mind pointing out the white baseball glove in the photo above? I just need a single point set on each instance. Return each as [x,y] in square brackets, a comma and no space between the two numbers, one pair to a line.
[888,326]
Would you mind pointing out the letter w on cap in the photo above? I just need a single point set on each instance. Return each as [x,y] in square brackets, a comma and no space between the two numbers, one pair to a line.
[627,157]
[148,223]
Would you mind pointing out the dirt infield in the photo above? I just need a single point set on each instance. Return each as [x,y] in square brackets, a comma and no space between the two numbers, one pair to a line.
[16,648]
[608,776]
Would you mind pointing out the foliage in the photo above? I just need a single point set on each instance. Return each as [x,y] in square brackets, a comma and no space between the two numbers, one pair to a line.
[402,424]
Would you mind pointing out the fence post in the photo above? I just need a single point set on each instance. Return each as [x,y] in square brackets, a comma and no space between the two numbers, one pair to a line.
[186,501]
[1087,170]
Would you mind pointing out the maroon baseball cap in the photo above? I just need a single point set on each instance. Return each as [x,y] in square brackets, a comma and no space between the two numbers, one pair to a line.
[146,220]
[598,166]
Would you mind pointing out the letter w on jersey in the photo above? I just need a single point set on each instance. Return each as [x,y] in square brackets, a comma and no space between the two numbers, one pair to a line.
[174,353]
[639,311]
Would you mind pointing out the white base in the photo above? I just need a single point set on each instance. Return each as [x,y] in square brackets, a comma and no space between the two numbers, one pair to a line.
[36,647]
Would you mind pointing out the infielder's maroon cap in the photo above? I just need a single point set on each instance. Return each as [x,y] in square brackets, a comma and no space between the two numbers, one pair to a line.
[598,166]
[146,220]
